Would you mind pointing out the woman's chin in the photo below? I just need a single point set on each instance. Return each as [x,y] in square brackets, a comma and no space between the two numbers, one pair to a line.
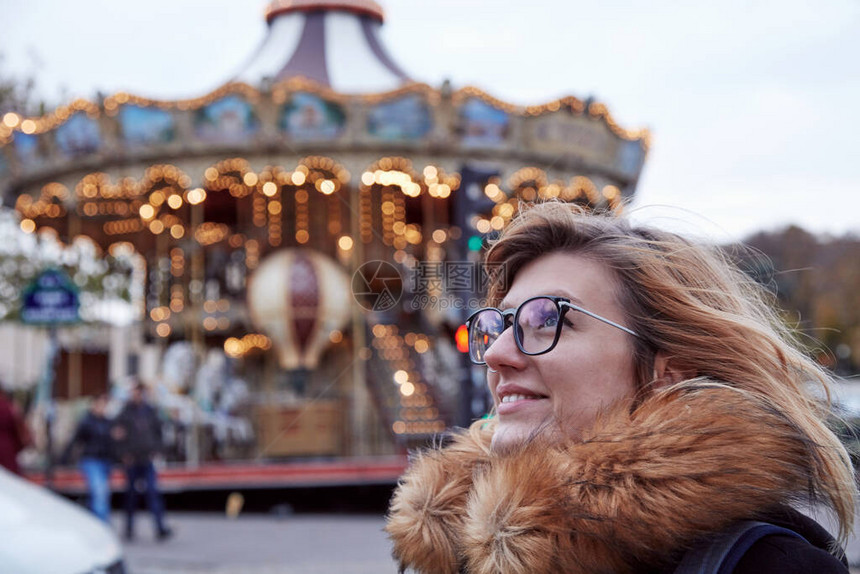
[508,438]
[504,440]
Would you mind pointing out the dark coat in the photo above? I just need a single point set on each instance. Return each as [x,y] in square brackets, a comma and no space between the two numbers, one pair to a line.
[141,436]
[93,438]
[13,435]
[789,555]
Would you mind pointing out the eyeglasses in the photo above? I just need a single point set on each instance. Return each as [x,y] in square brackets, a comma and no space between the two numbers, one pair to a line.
[537,322]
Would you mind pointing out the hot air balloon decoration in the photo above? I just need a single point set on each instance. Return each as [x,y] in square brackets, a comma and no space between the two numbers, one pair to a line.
[298,297]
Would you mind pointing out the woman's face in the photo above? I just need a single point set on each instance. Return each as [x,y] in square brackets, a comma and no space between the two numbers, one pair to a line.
[590,367]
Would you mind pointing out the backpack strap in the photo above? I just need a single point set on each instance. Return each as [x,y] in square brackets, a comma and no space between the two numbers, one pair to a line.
[721,553]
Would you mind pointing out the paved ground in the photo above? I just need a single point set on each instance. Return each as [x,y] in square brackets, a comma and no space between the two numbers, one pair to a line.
[262,544]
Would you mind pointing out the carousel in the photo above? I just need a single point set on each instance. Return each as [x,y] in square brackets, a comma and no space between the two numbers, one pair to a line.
[306,237]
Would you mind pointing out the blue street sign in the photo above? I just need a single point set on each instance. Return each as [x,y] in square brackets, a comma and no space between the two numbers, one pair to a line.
[50,299]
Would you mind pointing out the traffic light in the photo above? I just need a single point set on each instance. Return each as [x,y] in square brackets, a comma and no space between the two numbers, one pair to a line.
[471,203]
[461,337]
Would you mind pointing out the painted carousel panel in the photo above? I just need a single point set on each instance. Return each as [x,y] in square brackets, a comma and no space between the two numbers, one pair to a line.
[630,157]
[29,149]
[78,136]
[406,118]
[482,124]
[228,120]
[309,117]
[142,126]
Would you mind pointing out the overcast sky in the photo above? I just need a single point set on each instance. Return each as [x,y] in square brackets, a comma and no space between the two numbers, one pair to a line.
[754,106]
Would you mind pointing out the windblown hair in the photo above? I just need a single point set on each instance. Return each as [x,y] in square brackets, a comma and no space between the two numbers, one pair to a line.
[688,301]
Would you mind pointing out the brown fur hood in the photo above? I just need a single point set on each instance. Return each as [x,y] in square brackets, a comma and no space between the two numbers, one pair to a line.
[632,494]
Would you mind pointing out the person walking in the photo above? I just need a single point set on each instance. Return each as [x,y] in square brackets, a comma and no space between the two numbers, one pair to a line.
[14,434]
[652,413]
[138,432]
[97,454]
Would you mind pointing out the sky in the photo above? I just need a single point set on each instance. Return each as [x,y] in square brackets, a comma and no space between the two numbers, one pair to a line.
[752,105]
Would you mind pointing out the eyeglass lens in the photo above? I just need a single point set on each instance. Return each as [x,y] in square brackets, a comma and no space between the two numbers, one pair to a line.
[486,327]
[536,328]
[537,322]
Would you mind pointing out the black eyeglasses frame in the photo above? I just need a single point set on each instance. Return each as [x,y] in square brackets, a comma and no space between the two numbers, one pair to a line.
[511,317]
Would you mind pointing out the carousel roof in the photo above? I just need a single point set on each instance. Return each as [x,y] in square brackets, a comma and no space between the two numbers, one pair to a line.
[332,42]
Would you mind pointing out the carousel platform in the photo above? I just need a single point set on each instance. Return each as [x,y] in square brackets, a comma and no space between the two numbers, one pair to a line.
[248,475]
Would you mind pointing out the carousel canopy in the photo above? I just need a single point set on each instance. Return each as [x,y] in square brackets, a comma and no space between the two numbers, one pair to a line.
[333,42]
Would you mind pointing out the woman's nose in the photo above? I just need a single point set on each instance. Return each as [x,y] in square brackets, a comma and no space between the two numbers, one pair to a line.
[504,352]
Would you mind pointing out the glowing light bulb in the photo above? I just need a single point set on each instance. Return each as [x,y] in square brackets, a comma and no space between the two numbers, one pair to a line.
[147,211]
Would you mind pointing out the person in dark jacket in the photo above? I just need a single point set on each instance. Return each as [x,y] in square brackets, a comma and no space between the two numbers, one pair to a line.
[14,435]
[138,431]
[648,404]
[97,455]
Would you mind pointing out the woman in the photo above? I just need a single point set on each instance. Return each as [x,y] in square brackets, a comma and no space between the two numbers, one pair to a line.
[647,400]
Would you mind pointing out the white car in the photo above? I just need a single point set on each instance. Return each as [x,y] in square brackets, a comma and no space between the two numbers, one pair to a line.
[43,533]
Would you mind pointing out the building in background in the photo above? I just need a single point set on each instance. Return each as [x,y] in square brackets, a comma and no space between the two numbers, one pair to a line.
[255,213]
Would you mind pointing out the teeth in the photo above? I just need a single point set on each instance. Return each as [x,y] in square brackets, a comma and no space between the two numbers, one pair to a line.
[513,398]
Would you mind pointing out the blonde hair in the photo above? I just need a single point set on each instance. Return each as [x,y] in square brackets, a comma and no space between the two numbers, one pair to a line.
[689,302]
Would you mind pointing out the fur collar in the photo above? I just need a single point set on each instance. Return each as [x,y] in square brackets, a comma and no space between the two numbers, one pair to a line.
[632,494]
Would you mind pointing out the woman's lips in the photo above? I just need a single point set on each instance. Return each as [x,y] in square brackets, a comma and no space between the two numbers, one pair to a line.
[515,402]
